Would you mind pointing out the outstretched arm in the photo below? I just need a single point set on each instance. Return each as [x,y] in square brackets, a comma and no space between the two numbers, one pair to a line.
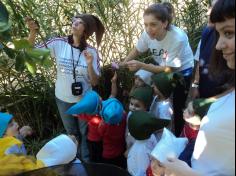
[135,65]
[114,86]
[174,167]
[93,76]
[131,56]
[33,28]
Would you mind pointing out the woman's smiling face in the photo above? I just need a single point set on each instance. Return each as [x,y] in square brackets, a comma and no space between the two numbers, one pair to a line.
[226,41]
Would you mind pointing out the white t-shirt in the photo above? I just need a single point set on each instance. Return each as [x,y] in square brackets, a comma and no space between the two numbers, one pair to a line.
[173,51]
[139,156]
[161,109]
[61,50]
[128,138]
[214,152]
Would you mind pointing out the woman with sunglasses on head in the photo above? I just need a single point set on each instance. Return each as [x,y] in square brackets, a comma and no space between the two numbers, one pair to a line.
[78,69]
[214,150]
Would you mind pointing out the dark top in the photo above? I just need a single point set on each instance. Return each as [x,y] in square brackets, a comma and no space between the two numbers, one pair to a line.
[208,86]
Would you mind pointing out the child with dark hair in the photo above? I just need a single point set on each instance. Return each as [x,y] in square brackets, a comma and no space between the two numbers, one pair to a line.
[88,110]
[163,86]
[106,130]
[193,115]
[140,100]
[112,130]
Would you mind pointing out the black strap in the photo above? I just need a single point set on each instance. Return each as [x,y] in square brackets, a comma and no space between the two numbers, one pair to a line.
[73,61]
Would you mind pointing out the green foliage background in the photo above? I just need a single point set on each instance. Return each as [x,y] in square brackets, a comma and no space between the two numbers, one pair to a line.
[31,97]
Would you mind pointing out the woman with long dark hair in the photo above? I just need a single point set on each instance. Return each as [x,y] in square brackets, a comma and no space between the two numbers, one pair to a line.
[214,151]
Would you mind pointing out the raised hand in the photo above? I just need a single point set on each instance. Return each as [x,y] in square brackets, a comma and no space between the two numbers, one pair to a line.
[134,65]
[32,24]
[26,131]
[114,78]
[89,57]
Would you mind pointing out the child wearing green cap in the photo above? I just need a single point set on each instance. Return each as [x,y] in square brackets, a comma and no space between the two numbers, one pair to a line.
[140,100]
[163,86]
[9,134]
[142,126]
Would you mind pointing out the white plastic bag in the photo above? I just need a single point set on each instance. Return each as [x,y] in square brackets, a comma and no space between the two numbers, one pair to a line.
[139,156]
[60,150]
[168,146]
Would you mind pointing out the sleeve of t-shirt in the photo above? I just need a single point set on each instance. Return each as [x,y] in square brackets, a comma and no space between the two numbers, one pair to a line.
[197,53]
[142,44]
[15,149]
[173,58]
[166,111]
[52,44]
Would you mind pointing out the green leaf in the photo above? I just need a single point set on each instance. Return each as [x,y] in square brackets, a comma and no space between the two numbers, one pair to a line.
[4,18]
[31,66]
[4,26]
[38,53]
[21,44]
[5,36]
[4,15]
[3,62]
[20,62]
[47,63]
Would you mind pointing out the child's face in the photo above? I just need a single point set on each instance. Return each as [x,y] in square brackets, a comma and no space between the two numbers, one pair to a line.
[157,91]
[138,82]
[13,129]
[136,105]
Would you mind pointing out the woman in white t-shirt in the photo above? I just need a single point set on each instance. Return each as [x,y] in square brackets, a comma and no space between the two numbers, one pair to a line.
[214,150]
[171,51]
[78,69]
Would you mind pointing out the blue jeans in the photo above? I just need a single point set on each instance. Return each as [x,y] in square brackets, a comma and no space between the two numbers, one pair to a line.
[76,127]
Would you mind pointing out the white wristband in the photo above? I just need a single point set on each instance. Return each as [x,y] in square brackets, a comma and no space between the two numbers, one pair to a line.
[194,85]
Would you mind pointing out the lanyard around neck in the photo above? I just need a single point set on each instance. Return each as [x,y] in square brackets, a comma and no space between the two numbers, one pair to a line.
[73,62]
